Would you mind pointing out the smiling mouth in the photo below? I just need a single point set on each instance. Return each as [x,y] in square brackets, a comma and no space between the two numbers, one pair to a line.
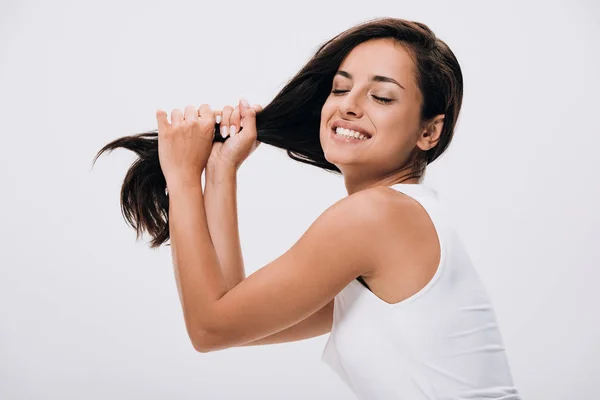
[350,134]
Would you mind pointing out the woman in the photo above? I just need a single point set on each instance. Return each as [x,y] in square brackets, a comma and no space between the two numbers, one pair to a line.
[382,269]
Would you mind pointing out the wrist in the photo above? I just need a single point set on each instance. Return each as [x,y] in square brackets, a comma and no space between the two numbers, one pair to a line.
[183,183]
[219,172]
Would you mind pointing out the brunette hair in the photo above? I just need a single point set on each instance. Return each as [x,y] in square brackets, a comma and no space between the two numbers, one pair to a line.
[291,121]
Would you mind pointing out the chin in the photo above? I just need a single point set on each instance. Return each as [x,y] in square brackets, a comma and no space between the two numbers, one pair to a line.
[341,158]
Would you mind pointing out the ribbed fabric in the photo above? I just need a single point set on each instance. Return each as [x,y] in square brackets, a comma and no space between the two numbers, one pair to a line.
[441,343]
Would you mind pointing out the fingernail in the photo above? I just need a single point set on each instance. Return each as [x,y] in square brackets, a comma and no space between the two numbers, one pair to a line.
[218,119]
[244,102]
[224,132]
[233,130]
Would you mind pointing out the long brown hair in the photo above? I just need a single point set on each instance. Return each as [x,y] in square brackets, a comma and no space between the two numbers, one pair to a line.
[291,121]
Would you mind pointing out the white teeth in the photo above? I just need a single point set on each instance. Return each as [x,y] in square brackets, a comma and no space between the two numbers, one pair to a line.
[350,133]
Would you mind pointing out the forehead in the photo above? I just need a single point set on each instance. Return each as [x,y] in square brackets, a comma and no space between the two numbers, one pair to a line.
[379,57]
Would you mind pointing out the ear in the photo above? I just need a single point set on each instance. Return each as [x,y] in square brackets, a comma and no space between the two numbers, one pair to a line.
[430,136]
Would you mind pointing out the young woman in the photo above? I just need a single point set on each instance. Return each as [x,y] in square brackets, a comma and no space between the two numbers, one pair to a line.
[383,270]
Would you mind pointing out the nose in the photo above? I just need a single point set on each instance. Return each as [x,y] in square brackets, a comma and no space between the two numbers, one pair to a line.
[350,106]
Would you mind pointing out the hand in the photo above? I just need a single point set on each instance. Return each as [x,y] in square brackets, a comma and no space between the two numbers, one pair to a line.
[184,145]
[239,146]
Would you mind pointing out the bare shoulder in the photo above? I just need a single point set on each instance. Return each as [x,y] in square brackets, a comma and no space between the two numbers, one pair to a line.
[354,229]
[403,218]
[371,217]
[380,206]
[367,209]
[408,251]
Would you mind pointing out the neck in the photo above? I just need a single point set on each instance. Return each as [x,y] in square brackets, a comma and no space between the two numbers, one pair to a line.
[356,182]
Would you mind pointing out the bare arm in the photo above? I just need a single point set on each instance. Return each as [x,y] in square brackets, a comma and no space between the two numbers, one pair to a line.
[221,212]
[220,202]
[316,325]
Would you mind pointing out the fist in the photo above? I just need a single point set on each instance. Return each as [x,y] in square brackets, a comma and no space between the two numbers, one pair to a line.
[239,124]
[185,143]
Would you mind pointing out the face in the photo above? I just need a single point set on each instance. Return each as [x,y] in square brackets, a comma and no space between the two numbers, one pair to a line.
[374,92]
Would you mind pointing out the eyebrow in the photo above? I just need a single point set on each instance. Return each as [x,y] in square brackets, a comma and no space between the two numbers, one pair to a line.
[374,78]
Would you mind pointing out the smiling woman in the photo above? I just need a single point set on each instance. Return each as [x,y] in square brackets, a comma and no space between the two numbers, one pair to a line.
[408,315]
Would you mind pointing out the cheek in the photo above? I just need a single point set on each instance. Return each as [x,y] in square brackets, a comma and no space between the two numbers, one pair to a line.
[392,120]
[327,109]
[326,113]
[392,128]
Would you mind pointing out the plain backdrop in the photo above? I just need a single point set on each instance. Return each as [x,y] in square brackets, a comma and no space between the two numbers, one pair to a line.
[86,312]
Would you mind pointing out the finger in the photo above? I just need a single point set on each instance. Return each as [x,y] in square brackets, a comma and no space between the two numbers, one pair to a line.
[234,123]
[206,113]
[163,122]
[227,110]
[256,108]
[191,113]
[249,117]
[176,117]
[217,116]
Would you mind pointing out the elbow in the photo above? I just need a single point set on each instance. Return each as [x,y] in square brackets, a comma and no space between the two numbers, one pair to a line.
[203,342]
[200,336]
[200,344]
[200,349]
[205,335]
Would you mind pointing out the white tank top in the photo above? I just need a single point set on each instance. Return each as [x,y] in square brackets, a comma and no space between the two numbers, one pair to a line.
[441,343]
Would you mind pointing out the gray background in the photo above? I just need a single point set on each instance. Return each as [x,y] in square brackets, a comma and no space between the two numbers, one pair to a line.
[88,313]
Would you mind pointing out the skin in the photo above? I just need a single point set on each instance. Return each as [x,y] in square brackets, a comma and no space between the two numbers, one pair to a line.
[375,232]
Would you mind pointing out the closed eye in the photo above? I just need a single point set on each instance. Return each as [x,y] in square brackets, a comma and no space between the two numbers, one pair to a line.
[383,99]
[380,99]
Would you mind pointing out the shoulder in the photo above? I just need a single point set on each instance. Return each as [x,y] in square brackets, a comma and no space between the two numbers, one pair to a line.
[370,206]
[366,217]
[344,240]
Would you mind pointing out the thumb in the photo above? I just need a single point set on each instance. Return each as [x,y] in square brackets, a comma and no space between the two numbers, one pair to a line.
[163,123]
[248,115]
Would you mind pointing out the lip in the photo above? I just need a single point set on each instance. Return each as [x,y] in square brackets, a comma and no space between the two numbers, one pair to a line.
[348,125]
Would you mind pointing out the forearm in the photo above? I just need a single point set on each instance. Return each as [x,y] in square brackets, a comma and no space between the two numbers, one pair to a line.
[220,201]
[200,282]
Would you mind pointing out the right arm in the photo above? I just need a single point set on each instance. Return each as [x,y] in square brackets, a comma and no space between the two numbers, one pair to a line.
[220,203]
